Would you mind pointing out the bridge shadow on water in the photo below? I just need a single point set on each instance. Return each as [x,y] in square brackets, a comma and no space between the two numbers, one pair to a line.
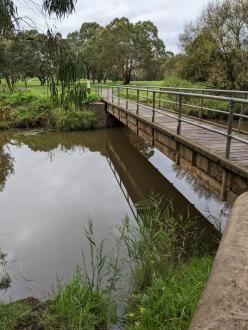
[138,178]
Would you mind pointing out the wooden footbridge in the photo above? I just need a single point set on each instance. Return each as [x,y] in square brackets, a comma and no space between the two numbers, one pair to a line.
[176,121]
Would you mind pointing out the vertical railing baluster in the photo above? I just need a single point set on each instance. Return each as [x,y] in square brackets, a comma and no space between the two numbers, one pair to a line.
[201,107]
[126,97]
[119,95]
[159,98]
[179,120]
[112,94]
[153,106]
[108,92]
[147,96]
[229,129]
[241,118]
[138,98]
[179,126]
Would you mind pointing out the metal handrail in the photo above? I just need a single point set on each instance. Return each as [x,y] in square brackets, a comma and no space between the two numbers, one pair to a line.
[205,96]
[209,90]
[179,109]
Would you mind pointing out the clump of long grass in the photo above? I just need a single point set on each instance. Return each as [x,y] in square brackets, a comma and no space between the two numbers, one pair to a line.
[77,306]
[159,239]
[169,302]
[170,265]
[12,314]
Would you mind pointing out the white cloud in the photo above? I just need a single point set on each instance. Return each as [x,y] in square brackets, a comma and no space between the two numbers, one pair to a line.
[169,16]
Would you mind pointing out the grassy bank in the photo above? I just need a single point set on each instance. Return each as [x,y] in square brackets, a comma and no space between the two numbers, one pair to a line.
[169,302]
[31,106]
[170,264]
[75,306]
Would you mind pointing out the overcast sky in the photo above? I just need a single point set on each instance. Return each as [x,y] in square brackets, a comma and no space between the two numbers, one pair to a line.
[169,16]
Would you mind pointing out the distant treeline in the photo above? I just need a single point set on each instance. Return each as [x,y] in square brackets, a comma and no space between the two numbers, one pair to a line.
[94,52]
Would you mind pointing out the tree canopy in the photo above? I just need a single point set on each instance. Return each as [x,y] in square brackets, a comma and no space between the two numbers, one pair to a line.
[216,45]
[117,49]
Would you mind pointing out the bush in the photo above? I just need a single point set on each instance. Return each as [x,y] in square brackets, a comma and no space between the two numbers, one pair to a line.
[73,119]
[38,113]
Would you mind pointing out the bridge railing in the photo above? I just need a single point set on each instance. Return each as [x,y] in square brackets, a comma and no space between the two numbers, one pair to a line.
[141,96]
[208,91]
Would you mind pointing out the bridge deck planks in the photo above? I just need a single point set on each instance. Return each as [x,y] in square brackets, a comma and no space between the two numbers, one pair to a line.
[207,140]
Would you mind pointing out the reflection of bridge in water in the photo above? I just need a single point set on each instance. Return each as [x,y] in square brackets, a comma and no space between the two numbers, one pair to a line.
[138,178]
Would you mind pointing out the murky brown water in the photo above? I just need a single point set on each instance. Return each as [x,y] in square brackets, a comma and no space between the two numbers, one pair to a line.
[51,183]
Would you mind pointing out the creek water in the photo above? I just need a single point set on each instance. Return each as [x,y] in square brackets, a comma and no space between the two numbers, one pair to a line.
[52,183]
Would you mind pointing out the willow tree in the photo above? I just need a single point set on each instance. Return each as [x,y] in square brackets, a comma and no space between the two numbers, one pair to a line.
[9,21]
[9,12]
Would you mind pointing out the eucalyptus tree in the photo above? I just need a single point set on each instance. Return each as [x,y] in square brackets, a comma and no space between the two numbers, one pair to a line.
[26,55]
[85,43]
[216,45]
[127,46]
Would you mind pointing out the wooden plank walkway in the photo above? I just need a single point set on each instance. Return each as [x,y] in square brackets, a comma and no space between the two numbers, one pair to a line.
[207,140]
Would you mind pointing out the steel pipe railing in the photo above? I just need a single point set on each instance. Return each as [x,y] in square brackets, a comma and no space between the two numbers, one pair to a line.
[180,104]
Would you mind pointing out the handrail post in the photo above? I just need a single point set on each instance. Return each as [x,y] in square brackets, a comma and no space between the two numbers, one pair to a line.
[147,96]
[108,92]
[119,94]
[179,120]
[179,127]
[138,98]
[153,106]
[201,108]
[159,98]
[176,107]
[112,94]
[126,98]
[241,118]
[230,129]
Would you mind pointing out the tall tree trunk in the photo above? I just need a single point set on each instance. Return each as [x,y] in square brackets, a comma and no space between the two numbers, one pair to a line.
[9,84]
[42,80]
[127,78]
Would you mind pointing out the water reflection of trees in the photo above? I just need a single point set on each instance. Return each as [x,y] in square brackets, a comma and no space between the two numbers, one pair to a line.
[6,164]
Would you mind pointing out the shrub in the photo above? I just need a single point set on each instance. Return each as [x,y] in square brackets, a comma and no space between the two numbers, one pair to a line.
[38,113]
[73,119]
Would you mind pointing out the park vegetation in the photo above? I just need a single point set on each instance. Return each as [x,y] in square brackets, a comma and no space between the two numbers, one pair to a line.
[170,264]
[215,46]
[169,261]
